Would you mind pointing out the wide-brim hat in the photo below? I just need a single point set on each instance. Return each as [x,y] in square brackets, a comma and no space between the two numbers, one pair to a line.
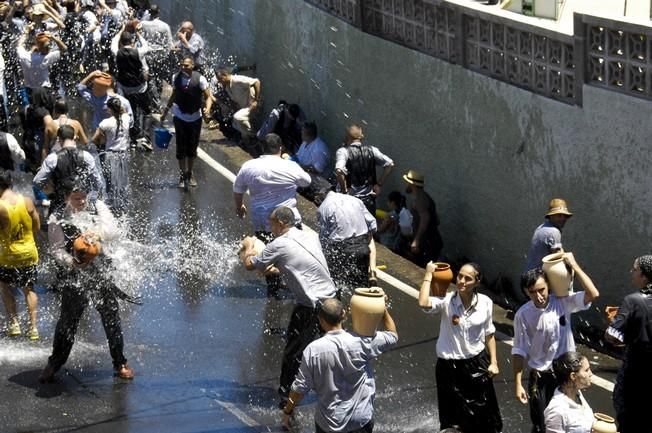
[103,80]
[558,206]
[38,9]
[415,178]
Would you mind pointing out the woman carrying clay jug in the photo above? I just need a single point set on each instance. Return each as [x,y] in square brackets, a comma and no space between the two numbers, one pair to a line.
[568,411]
[633,327]
[466,353]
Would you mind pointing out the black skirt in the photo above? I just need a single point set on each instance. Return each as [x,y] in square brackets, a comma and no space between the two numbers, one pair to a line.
[466,395]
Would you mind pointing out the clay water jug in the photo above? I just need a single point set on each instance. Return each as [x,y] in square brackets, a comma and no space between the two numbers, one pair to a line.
[441,279]
[259,246]
[85,248]
[559,276]
[367,310]
[604,424]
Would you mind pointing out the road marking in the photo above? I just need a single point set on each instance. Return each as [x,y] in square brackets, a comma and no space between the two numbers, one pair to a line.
[243,417]
[384,276]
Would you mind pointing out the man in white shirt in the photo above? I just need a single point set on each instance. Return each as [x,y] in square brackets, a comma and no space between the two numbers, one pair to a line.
[542,333]
[245,92]
[37,61]
[272,182]
[346,230]
[159,36]
[11,154]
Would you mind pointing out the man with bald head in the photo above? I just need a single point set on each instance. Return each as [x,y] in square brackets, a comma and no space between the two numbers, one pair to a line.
[191,45]
[337,367]
[355,168]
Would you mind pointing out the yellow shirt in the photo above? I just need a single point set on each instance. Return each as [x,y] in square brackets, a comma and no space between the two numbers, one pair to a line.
[17,246]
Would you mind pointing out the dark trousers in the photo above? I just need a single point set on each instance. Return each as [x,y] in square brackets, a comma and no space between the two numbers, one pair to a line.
[73,303]
[187,139]
[3,115]
[349,261]
[541,388]
[367,428]
[466,395]
[141,105]
[302,330]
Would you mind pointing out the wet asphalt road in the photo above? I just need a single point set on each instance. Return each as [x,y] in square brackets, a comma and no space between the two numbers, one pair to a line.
[205,345]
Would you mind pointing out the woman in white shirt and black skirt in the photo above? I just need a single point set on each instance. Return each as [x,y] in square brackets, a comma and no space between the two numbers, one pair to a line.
[466,353]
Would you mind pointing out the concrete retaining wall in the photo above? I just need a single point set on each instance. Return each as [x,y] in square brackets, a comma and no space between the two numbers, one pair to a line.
[493,154]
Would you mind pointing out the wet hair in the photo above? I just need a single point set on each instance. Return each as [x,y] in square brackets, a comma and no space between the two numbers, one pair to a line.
[76,184]
[115,106]
[311,128]
[569,362]
[60,106]
[6,180]
[322,187]
[645,265]
[273,144]
[222,71]
[188,58]
[529,278]
[154,11]
[398,198]
[294,110]
[66,132]
[284,215]
[127,38]
[332,311]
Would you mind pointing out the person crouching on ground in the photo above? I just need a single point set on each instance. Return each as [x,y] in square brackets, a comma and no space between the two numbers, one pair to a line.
[80,281]
[337,367]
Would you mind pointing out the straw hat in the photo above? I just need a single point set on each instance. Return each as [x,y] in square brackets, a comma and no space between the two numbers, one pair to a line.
[103,79]
[558,206]
[414,177]
[38,9]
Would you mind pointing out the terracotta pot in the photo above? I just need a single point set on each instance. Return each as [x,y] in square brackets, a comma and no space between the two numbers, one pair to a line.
[610,311]
[85,248]
[604,424]
[559,276]
[441,279]
[367,310]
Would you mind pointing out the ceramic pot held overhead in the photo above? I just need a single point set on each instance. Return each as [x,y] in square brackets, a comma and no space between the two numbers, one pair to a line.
[559,276]
[367,310]
[441,279]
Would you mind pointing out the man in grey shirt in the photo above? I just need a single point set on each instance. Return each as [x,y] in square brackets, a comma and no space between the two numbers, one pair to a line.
[296,255]
[547,237]
[337,367]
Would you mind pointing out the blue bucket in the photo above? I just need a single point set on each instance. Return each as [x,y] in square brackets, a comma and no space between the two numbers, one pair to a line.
[162,137]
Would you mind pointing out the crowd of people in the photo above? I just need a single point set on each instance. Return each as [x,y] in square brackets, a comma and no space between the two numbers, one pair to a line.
[115,56]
